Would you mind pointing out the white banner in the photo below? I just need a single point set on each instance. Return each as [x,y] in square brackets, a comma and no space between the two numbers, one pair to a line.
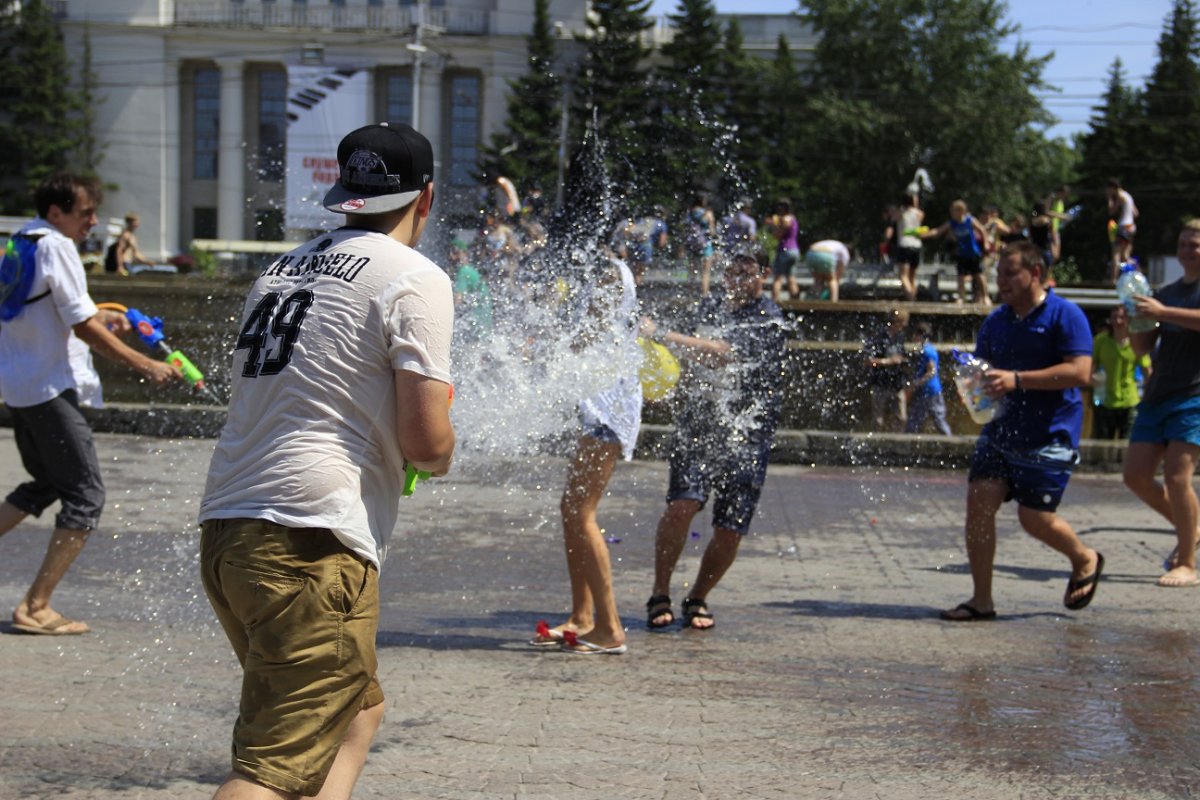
[324,104]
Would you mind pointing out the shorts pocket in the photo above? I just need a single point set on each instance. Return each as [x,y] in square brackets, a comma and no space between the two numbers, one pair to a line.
[256,593]
[354,578]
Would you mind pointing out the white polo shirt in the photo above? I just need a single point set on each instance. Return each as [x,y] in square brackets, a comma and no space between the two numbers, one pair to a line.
[311,438]
[38,347]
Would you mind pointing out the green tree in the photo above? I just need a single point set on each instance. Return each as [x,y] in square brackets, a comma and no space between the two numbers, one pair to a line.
[741,99]
[1112,148]
[611,94]
[900,84]
[42,126]
[686,102]
[527,152]
[782,165]
[90,150]
[1166,188]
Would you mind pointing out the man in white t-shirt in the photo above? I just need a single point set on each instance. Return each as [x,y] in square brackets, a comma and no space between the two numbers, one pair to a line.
[340,376]
[46,373]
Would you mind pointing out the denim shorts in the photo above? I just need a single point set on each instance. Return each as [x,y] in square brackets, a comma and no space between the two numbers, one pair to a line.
[602,433]
[733,474]
[1170,420]
[1036,478]
[786,262]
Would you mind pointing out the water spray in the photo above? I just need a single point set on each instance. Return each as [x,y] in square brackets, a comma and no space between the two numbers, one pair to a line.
[149,330]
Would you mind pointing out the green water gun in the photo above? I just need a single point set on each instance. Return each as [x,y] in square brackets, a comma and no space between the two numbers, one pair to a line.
[149,330]
[411,476]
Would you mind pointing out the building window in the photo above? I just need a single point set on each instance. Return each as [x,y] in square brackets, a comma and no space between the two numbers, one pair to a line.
[204,223]
[464,128]
[207,121]
[398,102]
[272,125]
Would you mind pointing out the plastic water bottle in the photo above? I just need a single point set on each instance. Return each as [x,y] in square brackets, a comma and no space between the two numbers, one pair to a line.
[1131,283]
[968,378]
[1099,387]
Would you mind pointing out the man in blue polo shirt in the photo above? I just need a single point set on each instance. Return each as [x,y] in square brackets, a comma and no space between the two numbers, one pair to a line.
[1040,349]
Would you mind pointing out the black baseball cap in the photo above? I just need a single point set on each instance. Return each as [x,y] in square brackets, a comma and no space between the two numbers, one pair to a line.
[383,167]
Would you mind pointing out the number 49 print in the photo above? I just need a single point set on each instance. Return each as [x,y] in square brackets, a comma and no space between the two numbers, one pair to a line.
[282,321]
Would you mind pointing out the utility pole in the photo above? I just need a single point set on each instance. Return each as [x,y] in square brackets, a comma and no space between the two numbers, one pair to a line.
[421,29]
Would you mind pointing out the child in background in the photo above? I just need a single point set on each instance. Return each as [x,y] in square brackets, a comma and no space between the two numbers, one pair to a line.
[927,397]
[1114,366]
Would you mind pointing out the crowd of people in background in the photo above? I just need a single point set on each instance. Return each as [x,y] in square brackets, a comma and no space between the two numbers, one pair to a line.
[684,244]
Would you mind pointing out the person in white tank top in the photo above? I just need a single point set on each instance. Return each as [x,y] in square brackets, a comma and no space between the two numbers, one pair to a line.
[610,420]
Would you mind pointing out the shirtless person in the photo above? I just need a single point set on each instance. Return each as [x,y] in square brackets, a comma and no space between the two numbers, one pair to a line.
[125,249]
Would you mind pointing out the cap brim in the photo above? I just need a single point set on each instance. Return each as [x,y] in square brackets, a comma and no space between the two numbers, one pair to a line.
[341,200]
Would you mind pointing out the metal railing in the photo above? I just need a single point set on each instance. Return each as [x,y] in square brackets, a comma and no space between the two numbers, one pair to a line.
[283,14]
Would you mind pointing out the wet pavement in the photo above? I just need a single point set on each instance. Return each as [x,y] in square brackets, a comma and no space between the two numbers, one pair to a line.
[828,675]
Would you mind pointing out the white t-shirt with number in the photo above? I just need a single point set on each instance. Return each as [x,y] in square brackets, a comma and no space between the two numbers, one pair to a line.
[311,437]
[40,357]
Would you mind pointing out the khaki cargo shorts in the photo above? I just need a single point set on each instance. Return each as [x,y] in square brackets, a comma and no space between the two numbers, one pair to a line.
[301,611]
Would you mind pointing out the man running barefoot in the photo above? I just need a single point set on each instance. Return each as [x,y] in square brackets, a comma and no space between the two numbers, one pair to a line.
[1167,428]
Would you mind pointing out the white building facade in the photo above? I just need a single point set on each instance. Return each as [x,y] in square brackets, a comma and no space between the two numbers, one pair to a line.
[195,98]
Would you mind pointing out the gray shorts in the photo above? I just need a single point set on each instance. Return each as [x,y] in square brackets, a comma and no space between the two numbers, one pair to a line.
[56,447]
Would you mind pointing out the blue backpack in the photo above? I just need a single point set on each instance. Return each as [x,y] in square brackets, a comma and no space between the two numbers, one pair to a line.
[17,271]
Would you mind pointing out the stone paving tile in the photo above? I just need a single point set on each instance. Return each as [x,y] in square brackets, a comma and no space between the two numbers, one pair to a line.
[828,676]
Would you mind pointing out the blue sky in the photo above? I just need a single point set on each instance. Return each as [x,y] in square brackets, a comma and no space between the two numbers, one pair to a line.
[1084,35]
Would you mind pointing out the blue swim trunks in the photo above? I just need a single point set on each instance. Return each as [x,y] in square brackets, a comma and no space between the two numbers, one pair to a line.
[1170,420]
[1036,478]
[733,473]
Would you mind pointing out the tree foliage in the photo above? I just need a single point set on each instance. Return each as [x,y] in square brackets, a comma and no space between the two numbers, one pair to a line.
[686,105]
[43,120]
[527,152]
[1166,189]
[918,83]
[740,98]
[1108,150]
[1150,141]
[612,94]
[893,85]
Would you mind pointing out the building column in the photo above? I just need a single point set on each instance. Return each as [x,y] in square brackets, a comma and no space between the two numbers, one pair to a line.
[171,166]
[231,171]
[431,104]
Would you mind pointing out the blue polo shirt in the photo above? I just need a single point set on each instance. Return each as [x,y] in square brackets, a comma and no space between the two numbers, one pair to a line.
[1051,332]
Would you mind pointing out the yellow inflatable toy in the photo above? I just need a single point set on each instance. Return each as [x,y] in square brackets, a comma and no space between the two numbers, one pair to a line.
[659,371]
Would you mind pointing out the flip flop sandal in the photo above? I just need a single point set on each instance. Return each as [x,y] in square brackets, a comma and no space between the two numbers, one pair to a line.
[964,612]
[546,636]
[1092,580]
[656,607]
[691,611]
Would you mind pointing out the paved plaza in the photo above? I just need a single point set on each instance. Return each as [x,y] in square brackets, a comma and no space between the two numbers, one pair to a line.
[828,674]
